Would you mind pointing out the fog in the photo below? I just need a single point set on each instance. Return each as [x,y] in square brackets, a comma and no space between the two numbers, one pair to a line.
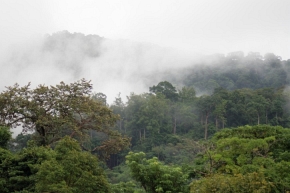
[113,66]
[133,40]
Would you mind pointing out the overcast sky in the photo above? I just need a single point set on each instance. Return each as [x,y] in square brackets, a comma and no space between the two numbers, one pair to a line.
[202,26]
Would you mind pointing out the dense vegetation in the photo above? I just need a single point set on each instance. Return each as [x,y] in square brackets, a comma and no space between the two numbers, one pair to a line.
[218,126]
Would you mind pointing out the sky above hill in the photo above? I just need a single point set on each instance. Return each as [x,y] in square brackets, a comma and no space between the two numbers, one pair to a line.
[199,26]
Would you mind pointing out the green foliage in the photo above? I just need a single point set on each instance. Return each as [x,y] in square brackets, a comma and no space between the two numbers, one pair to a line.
[71,170]
[148,119]
[259,152]
[5,162]
[221,183]
[126,187]
[187,95]
[19,169]
[40,169]
[165,88]
[182,152]
[5,136]
[120,173]
[65,109]
[154,176]
[236,90]
[54,111]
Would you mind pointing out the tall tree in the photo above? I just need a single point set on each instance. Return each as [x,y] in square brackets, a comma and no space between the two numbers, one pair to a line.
[55,111]
[206,105]
[165,88]
[118,107]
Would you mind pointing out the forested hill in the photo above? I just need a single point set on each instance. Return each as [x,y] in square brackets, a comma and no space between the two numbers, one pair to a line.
[191,124]
[126,66]
[235,70]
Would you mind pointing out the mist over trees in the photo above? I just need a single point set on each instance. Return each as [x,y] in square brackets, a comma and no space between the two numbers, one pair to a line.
[125,66]
[217,123]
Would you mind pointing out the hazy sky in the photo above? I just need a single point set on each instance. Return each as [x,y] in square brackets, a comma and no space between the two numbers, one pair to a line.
[203,26]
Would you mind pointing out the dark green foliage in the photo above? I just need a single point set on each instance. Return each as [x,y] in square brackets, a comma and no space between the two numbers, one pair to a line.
[20,169]
[165,88]
[154,176]
[5,163]
[71,170]
[41,169]
[5,136]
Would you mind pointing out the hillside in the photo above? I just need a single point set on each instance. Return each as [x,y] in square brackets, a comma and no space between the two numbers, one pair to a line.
[181,122]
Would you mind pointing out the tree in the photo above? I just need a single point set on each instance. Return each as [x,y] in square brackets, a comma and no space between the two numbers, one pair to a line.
[187,95]
[55,111]
[5,168]
[256,106]
[205,104]
[134,123]
[236,109]
[5,136]
[101,97]
[154,176]
[165,88]
[71,171]
[18,170]
[220,183]
[118,107]
[66,168]
[20,142]
[254,155]
[126,187]
[220,97]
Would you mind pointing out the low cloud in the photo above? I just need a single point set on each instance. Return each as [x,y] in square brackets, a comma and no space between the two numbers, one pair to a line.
[113,66]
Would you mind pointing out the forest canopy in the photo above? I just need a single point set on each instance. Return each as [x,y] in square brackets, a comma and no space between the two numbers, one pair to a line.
[55,111]
[220,125]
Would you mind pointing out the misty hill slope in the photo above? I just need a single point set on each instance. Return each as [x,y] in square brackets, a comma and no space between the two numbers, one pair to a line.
[113,65]
[233,71]
[124,66]
[236,71]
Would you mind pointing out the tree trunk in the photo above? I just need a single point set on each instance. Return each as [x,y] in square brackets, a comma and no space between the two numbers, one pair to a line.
[216,123]
[140,135]
[174,125]
[41,132]
[205,127]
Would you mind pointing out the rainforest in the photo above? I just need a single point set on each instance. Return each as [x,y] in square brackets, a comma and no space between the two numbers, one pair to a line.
[219,123]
